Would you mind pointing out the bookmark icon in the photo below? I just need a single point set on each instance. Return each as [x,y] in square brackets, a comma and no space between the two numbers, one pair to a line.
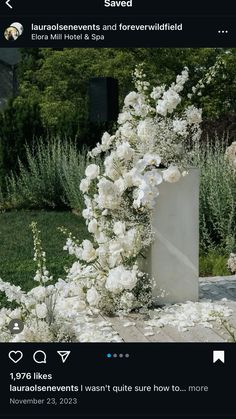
[218,356]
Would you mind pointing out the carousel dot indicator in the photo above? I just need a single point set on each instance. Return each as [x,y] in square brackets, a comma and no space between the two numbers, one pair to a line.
[109,355]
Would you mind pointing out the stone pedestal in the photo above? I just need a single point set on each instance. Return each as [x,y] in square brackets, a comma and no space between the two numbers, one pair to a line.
[173,257]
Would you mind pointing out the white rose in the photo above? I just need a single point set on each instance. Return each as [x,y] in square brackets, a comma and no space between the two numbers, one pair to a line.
[124,151]
[93,297]
[110,170]
[124,117]
[115,251]
[128,279]
[93,226]
[101,237]
[172,174]
[113,283]
[109,195]
[119,228]
[131,98]
[38,292]
[92,171]
[15,314]
[75,270]
[168,103]
[41,310]
[121,185]
[120,278]
[84,185]
[127,131]
[86,213]
[88,252]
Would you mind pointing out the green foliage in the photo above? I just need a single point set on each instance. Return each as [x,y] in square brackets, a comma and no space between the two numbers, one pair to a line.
[19,123]
[53,91]
[60,84]
[59,79]
[217,198]
[213,264]
[73,169]
[50,179]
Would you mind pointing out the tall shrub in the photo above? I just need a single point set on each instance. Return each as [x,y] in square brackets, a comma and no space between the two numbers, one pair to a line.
[217,197]
[49,179]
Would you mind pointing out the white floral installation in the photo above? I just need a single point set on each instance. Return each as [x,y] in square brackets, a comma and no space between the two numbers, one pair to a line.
[148,148]
[150,142]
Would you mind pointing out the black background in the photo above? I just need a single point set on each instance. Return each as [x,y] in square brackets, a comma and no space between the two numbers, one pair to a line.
[161,364]
[197,32]
[95,7]
[201,22]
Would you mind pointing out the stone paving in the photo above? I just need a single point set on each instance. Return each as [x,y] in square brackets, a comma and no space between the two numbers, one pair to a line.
[221,290]
[218,287]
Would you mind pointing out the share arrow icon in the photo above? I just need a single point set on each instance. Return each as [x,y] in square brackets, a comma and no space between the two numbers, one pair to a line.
[64,355]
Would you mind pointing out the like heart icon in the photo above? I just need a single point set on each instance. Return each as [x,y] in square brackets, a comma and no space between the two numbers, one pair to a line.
[15,356]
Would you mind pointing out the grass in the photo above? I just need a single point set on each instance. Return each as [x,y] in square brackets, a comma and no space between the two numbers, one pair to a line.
[16,248]
[213,263]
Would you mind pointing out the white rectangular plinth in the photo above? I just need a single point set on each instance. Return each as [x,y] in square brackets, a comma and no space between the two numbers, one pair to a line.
[173,257]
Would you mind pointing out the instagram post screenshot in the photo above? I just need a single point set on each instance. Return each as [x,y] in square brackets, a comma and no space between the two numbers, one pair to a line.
[117,209]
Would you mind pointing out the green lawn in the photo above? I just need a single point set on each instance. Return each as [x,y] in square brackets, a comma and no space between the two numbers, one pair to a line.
[16,247]
[16,244]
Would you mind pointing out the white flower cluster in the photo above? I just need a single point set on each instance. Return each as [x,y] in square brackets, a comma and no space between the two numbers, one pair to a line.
[232,263]
[210,75]
[42,274]
[230,155]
